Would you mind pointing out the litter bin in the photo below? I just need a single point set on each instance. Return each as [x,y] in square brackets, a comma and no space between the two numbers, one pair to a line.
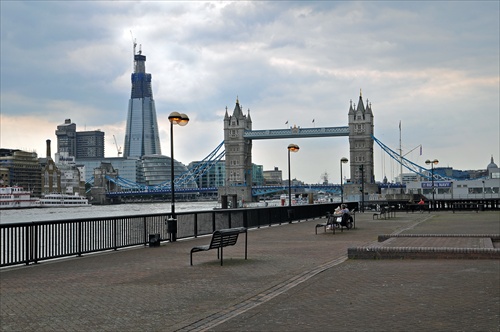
[172,229]
[154,240]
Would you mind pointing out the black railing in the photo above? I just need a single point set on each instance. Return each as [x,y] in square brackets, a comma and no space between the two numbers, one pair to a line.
[31,242]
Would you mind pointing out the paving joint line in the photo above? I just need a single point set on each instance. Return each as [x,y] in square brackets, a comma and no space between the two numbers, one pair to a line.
[258,299]
[235,310]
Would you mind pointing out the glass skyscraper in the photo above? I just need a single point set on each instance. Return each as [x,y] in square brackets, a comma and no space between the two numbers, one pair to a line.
[141,137]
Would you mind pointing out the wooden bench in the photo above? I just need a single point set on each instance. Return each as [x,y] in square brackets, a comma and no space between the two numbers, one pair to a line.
[380,214]
[385,212]
[331,220]
[329,224]
[220,239]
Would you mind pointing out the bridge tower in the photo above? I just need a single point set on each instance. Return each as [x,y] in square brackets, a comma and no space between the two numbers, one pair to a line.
[238,179]
[361,129]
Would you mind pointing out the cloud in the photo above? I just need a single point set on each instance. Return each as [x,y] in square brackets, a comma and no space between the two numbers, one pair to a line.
[432,65]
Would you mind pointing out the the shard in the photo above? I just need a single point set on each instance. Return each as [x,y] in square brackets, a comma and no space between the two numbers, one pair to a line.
[141,137]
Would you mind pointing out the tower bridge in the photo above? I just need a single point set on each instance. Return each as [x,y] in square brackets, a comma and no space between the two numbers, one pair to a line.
[238,137]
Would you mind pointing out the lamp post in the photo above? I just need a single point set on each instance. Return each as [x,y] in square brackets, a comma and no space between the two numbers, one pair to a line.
[291,148]
[362,169]
[180,119]
[344,160]
[432,163]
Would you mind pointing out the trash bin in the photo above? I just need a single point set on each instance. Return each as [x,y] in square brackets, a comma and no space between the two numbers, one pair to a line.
[172,229]
[290,215]
[154,240]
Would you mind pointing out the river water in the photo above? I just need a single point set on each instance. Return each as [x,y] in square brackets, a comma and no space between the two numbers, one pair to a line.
[96,211]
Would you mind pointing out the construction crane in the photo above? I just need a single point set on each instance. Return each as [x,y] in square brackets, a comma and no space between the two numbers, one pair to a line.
[119,149]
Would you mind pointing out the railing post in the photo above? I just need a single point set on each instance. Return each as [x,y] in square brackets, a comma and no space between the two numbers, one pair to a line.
[195,230]
[115,236]
[27,244]
[213,221]
[79,239]
[35,243]
[145,230]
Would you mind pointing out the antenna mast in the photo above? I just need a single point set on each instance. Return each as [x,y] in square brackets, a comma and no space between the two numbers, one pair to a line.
[134,42]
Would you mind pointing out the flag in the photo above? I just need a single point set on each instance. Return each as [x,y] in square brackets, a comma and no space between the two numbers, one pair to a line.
[286,122]
[313,120]
[420,149]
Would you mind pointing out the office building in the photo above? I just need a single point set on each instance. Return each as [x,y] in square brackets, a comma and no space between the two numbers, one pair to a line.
[273,177]
[141,136]
[81,145]
[89,144]
[20,168]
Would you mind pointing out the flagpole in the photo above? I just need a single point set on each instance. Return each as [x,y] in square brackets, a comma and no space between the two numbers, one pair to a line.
[400,158]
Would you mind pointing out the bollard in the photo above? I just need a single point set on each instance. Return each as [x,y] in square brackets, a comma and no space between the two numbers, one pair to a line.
[172,229]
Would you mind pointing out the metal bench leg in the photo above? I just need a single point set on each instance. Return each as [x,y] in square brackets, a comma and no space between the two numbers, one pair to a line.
[221,255]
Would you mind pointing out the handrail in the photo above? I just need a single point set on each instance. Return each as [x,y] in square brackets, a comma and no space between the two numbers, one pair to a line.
[33,242]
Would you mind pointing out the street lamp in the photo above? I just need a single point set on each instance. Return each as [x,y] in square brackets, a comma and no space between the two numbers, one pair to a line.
[180,119]
[344,160]
[432,163]
[291,148]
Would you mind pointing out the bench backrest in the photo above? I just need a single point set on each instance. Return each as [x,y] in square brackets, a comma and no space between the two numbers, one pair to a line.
[224,238]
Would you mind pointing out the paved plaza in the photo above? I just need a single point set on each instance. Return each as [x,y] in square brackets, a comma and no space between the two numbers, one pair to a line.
[293,280]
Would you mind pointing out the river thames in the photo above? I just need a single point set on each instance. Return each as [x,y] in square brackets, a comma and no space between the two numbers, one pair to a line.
[96,211]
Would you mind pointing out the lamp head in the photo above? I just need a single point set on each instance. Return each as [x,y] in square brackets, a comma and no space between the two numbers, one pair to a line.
[178,118]
[344,160]
[184,120]
[174,117]
[293,147]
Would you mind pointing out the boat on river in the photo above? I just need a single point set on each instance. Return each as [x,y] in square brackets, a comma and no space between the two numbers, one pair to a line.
[16,198]
[63,200]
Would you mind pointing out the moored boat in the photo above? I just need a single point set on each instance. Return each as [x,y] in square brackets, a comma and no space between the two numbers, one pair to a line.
[16,198]
[63,200]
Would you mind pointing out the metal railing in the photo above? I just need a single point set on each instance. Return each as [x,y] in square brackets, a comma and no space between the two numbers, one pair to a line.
[32,242]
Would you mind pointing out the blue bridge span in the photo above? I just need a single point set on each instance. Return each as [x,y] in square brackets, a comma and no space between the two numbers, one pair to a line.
[130,188]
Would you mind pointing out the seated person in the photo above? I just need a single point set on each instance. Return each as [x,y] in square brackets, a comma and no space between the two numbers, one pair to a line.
[344,209]
[337,211]
[338,215]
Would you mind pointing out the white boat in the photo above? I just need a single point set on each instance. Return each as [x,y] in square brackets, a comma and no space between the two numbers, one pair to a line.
[16,198]
[63,200]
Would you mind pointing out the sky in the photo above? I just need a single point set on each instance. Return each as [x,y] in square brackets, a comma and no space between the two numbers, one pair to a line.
[431,66]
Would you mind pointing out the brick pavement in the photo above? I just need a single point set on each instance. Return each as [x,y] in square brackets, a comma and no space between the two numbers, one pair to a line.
[293,280]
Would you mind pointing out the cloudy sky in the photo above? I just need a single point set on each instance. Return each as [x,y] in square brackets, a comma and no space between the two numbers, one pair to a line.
[433,65]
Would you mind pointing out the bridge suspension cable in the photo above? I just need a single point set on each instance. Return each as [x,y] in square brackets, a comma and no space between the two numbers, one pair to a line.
[422,171]
[194,173]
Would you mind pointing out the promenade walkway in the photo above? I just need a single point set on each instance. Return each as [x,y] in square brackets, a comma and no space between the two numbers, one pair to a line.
[293,280]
